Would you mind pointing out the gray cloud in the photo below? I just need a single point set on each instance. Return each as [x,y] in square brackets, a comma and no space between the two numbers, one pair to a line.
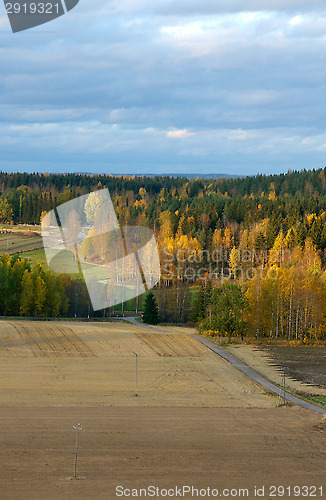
[134,85]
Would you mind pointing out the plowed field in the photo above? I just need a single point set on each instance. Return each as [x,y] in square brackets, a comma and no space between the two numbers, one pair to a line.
[197,421]
[60,363]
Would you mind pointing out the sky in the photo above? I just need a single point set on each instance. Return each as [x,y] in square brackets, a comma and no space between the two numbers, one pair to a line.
[166,86]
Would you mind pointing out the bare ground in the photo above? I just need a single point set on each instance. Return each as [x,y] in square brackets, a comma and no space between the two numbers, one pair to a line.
[197,420]
[92,364]
[138,447]
[306,366]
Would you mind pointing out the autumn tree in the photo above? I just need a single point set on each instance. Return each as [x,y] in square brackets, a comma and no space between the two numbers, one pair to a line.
[6,210]
[228,307]
[93,206]
[27,297]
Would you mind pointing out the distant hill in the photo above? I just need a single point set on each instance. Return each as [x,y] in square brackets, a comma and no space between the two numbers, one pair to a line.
[192,176]
[176,175]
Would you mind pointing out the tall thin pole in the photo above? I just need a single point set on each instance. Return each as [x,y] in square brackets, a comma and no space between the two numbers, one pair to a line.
[136,374]
[78,428]
[76,295]
[284,368]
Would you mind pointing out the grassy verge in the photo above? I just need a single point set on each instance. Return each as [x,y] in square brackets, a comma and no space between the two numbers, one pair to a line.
[316,400]
[309,398]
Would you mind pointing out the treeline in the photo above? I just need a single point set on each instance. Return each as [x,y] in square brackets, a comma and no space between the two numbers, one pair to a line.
[220,231]
[285,299]
[30,292]
[196,207]
[37,292]
[288,299]
[300,183]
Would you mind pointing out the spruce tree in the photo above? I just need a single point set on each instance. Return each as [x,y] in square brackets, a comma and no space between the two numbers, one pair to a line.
[151,313]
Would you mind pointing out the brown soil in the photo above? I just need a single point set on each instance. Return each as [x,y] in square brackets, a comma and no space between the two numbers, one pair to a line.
[197,420]
[92,364]
[306,364]
[139,447]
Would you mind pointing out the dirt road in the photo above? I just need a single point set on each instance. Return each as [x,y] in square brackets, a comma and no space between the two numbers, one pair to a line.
[253,375]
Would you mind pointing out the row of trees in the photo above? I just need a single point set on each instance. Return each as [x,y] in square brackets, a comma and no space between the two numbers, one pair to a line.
[293,183]
[284,300]
[35,292]
[289,300]
[30,292]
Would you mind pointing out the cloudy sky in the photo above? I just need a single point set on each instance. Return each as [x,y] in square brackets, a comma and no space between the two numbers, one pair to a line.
[202,86]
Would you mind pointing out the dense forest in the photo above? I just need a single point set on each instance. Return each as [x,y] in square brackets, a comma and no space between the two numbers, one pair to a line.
[296,200]
[265,234]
